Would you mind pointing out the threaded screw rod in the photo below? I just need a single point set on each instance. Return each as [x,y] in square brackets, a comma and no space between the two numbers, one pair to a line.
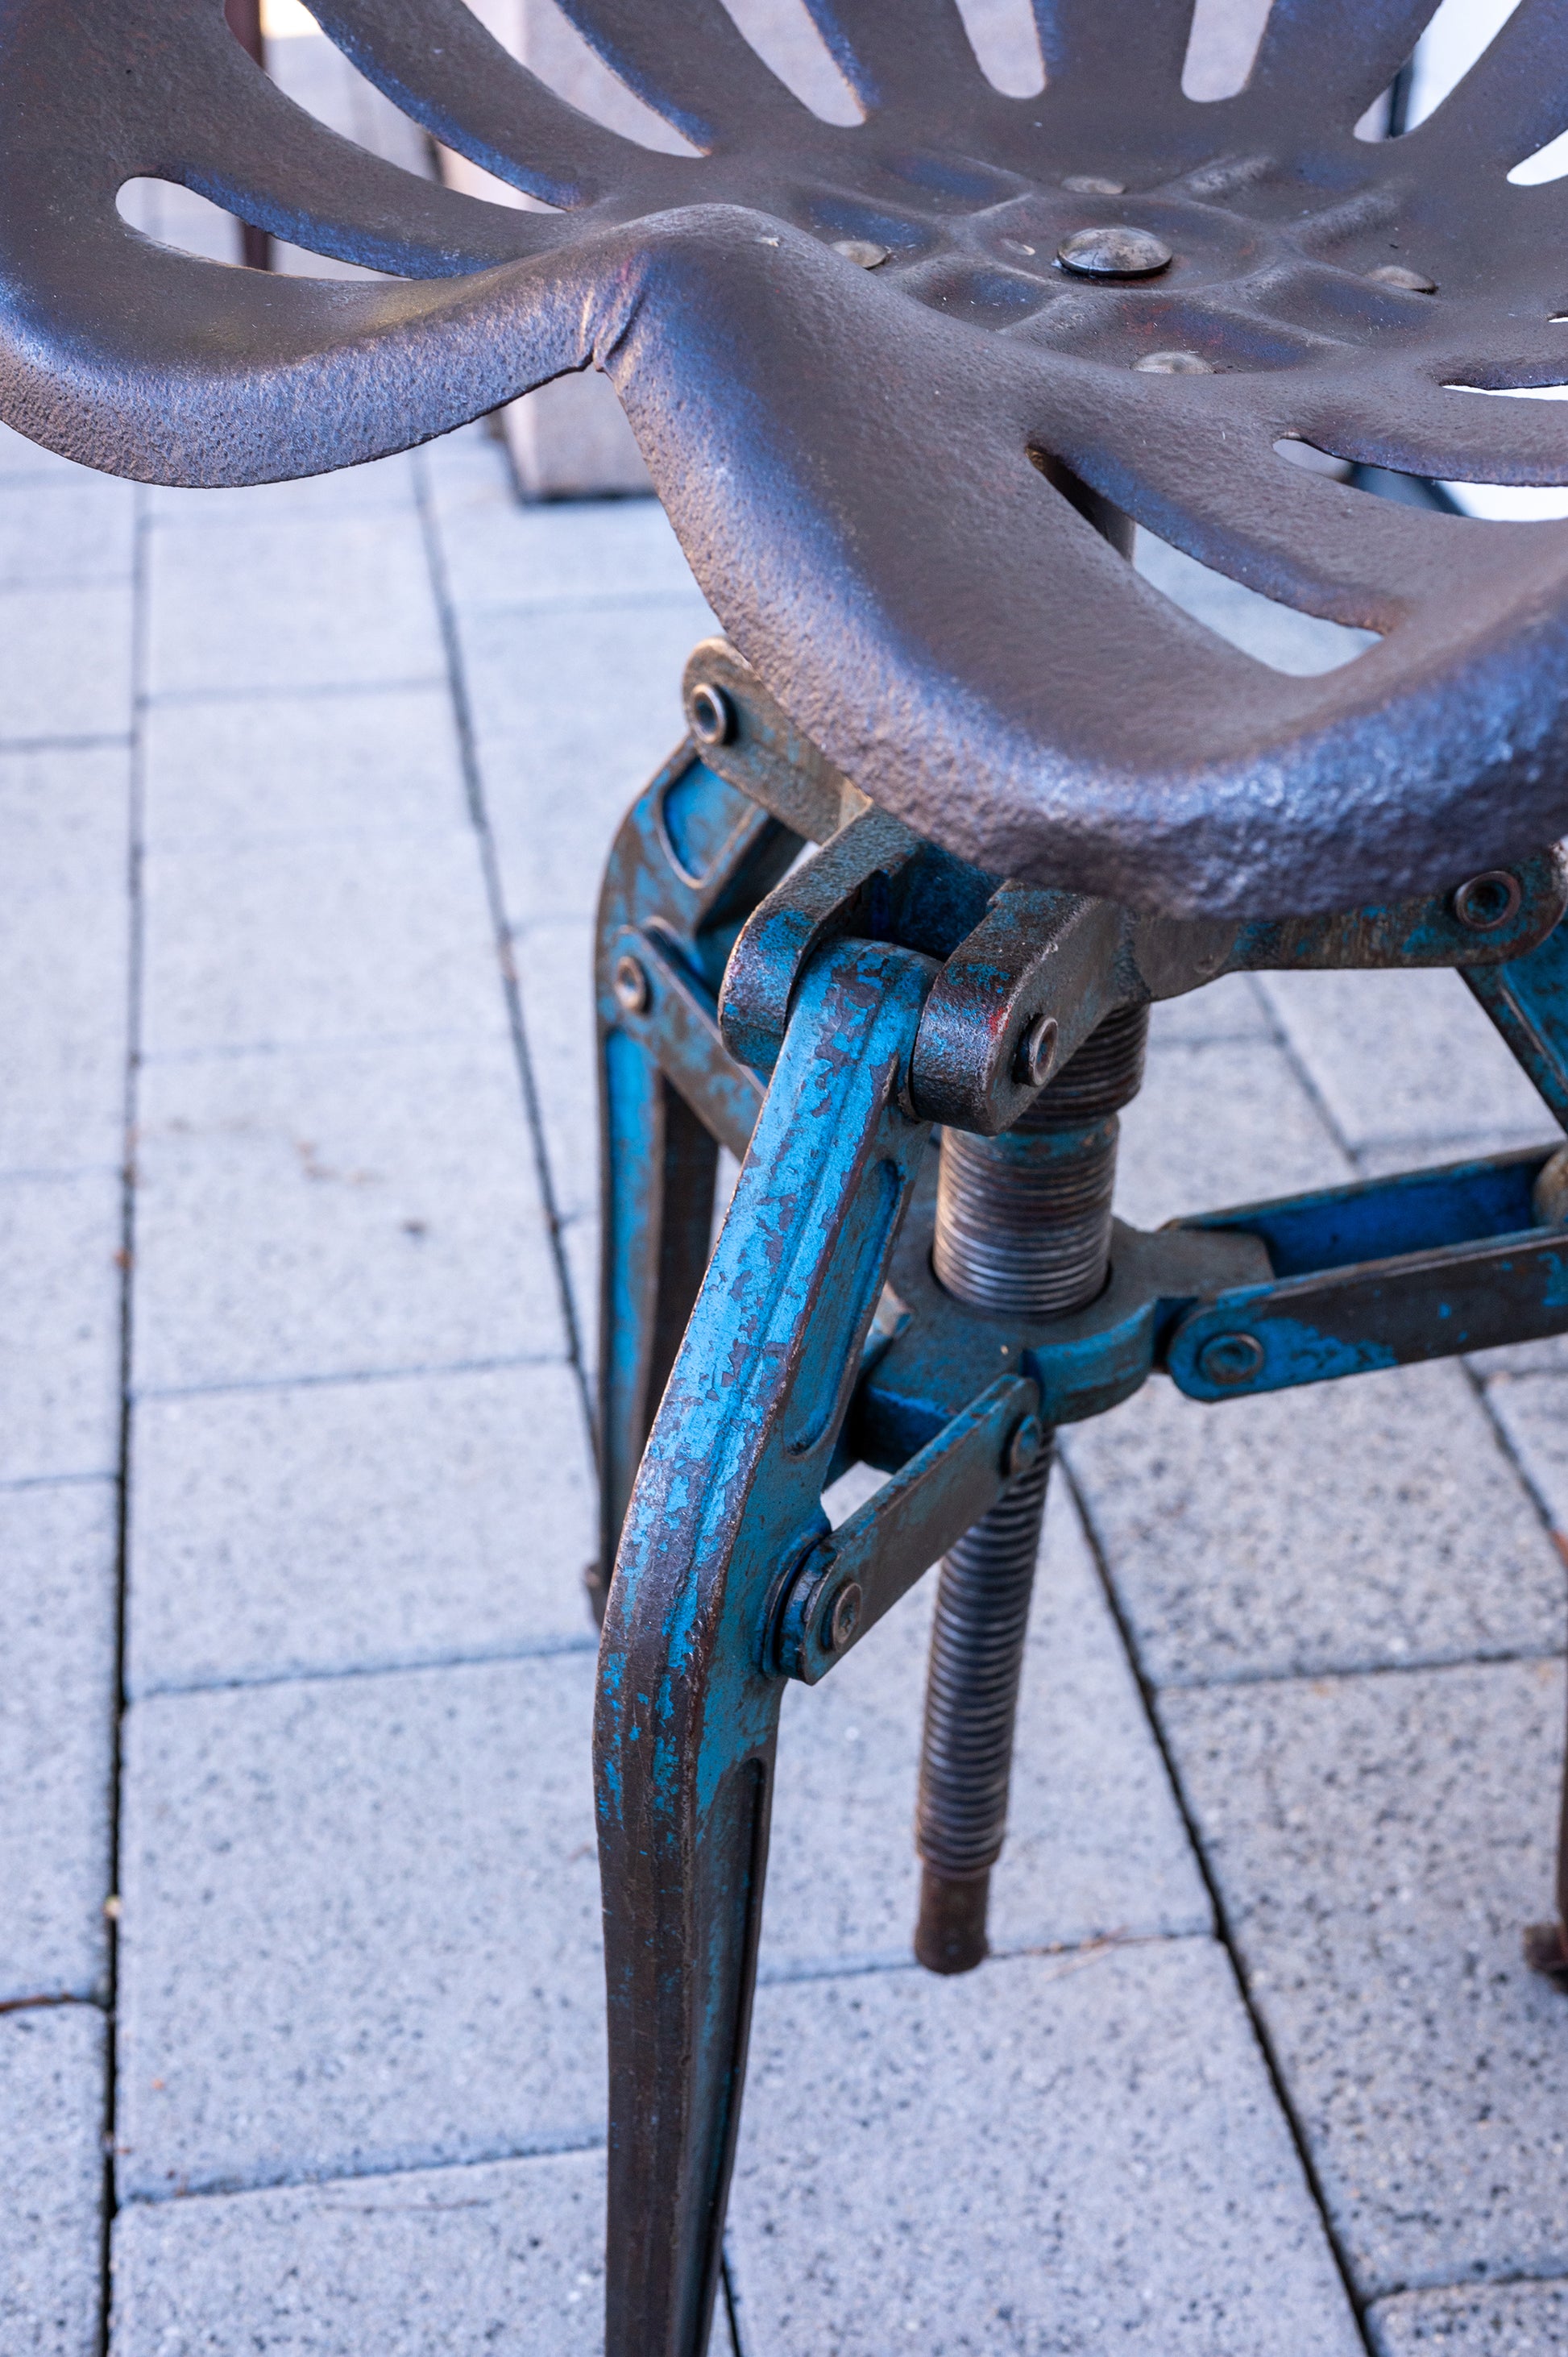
[1022,1226]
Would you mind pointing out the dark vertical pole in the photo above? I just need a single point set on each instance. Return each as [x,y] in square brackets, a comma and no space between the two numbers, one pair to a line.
[245,24]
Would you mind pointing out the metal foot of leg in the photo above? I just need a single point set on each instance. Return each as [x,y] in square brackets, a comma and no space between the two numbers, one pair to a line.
[1546,1953]
[972,1699]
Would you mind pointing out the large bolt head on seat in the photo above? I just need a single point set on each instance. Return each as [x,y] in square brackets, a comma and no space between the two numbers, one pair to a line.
[1109,283]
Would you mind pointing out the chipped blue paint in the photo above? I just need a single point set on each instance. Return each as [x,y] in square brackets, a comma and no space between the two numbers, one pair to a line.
[727,1500]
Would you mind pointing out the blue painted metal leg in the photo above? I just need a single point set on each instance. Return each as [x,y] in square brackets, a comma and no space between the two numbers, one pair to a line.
[728,1503]
[1528,1001]
[691,858]
[658,1209]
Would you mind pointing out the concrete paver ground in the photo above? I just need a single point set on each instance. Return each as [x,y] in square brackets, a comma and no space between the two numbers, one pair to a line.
[302,797]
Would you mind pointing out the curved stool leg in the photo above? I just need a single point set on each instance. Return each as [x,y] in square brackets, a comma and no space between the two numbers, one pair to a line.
[693,856]
[728,1500]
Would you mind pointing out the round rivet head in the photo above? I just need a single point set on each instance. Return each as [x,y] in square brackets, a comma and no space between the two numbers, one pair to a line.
[1114,252]
[1024,1443]
[1230,1359]
[1549,1196]
[1086,184]
[712,715]
[1394,273]
[843,1619]
[1488,901]
[630,984]
[862,252]
[1174,364]
[1037,1056]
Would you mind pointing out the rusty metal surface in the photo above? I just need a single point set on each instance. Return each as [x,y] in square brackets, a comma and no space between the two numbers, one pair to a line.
[845,451]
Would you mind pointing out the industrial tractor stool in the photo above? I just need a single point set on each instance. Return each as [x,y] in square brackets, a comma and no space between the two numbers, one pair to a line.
[903,383]
[932,1313]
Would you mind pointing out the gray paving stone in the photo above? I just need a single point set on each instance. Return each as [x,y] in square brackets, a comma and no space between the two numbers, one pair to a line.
[60,1341]
[1489,2320]
[360,1926]
[1367,1523]
[1066,2155]
[58,1544]
[67,530]
[1406,1056]
[337,1211]
[1378,1843]
[65,662]
[1271,633]
[22,460]
[333,1527]
[300,944]
[1227,1009]
[579,1239]
[555,977]
[1218,1122]
[178,217]
[383,483]
[503,2259]
[1095,1845]
[273,767]
[1548,1358]
[500,552]
[315,74]
[64,956]
[336,604]
[51,2164]
[1533,1412]
[575,712]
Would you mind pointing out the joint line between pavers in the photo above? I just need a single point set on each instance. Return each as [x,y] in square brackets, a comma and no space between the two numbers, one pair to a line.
[1224,1928]
[136,787]
[548,2145]
[1074,1955]
[543,1649]
[1336,1672]
[415,1372]
[473,780]
[262,694]
[119,737]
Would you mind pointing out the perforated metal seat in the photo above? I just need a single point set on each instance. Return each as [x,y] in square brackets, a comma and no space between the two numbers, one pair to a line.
[846,450]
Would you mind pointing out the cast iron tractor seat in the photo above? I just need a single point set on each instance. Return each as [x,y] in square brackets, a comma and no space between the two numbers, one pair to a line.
[845,451]
[901,385]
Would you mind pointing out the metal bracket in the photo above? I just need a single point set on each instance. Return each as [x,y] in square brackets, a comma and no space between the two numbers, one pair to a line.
[1028,971]
[849,1581]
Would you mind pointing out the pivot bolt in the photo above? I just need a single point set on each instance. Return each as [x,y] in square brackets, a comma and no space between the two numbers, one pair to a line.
[1230,1359]
[631,985]
[1024,1443]
[843,1617]
[862,252]
[712,715]
[1488,901]
[1037,1056]
[1549,1196]
[1114,252]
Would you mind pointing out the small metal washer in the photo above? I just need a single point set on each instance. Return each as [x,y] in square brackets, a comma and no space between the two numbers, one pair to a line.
[630,984]
[1394,273]
[1115,251]
[1174,364]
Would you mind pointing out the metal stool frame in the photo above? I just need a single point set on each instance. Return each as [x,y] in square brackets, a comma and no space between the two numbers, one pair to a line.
[820,1020]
